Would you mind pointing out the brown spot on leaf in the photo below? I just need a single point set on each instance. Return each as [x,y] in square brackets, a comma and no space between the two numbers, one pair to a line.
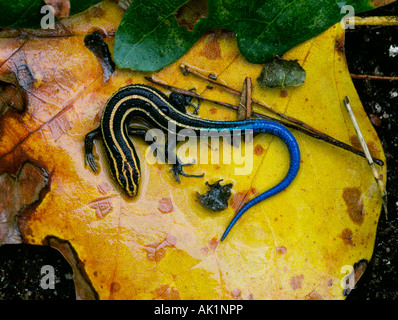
[373,149]
[213,243]
[284,93]
[213,111]
[156,251]
[281,250]
[165,205]
[240,198]
[339,44]
[346,235]
[115,287]
[295,282]
[236,294]
[258,150]
[211,49]
[164,291]
[355,208]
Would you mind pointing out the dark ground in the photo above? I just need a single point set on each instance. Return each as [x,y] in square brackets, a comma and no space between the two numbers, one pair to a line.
[367,50]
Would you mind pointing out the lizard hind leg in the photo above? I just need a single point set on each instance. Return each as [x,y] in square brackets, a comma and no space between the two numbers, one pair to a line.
[177,164]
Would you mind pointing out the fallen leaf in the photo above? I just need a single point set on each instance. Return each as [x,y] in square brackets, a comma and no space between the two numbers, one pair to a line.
[18,192]
[97,45]
[291,246]
[281,73]
[12,95]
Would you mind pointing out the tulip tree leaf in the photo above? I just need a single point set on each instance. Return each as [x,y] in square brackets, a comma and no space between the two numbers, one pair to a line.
[164,244]
[150,37]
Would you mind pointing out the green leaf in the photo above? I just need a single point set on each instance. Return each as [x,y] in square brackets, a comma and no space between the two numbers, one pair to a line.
[26,13]
[280,73]
[150,38]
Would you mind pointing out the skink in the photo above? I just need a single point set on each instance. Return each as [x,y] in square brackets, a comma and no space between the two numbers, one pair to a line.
[158,110]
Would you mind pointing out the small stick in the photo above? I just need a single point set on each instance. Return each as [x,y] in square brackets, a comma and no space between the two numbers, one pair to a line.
[245,102]
[186,70]
[191,94]
[376,21]
[330,140]
[375,172]
[315,133]
[249,88]
[365,76]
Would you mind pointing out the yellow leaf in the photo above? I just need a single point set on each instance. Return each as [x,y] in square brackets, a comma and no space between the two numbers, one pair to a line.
[163,244]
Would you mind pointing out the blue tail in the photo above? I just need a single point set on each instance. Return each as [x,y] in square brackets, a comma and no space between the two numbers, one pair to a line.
[294,151]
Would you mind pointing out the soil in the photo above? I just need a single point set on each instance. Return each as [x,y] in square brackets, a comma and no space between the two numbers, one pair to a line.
[367,51]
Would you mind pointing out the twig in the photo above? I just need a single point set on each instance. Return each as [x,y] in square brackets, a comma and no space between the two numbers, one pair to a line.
[365,76]
[375,172]
[191,94]
[331,140]
[376,21]
[315,133]
[186,70]
[245,102]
